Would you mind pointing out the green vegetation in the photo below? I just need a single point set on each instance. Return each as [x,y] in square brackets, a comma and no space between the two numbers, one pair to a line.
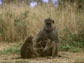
[12,50]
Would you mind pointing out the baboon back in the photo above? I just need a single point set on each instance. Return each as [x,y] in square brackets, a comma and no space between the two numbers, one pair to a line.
[26,50]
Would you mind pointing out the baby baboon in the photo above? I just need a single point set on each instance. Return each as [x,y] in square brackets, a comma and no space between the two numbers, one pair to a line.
[48,32]
[46,48]
[27,49]
[50,48]
[41,47]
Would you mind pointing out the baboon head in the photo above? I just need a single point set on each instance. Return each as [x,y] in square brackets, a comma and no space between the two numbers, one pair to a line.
[29,40]
[48,24]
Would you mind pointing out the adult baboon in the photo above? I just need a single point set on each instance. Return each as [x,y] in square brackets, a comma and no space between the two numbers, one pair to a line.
[48,32]
[27,49]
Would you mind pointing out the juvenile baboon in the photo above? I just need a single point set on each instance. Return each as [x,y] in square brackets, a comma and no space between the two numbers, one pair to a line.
[50,47]
[27,49]
[48,32]
[42,48]
[46,48]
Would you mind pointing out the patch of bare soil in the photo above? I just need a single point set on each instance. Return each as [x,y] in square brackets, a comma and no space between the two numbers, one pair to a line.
[67,57]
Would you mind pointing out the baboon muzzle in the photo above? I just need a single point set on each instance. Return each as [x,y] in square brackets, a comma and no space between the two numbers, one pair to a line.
[48,25]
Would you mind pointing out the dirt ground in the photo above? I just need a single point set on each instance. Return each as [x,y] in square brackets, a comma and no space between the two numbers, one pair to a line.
[67,57]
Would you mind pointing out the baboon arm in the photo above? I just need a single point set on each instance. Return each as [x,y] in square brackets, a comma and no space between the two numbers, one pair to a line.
[54,36]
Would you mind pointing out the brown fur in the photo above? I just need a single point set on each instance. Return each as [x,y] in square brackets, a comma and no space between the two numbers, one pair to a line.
[48,32]
[27,49]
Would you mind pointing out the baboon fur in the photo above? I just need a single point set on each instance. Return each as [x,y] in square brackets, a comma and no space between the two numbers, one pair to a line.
[27,49]
[48,32]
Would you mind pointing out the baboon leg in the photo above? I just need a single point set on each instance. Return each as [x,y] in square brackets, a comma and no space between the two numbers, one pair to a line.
[55,49]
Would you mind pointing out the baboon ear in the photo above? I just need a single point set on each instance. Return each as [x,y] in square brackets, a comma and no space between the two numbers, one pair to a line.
[52,21]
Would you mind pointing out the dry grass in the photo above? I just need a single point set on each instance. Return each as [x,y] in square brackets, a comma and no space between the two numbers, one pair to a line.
[19,21]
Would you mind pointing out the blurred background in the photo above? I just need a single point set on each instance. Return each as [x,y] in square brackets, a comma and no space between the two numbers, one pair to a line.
[22,18]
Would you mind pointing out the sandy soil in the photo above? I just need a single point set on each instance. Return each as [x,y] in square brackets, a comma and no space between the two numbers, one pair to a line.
[67,57]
